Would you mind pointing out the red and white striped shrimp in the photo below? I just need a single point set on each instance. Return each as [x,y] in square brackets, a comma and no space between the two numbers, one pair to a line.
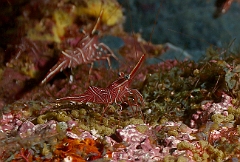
[87,51]
[117,92]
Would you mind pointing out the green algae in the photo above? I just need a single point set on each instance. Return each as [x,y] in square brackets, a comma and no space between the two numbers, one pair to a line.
[184,145]
[234,111]
[45,150]
[172,132]
[179,92]
[182,159]
[142,128]
[60,116]
[202,153]
[169,158]
[218,118]
[45,117]
[104,131]
[83,126]
[75,113]
[214,153]
[101,129]
[134,121]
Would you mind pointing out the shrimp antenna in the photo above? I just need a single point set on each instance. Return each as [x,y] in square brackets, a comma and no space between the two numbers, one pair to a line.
[134,70]
[97,23]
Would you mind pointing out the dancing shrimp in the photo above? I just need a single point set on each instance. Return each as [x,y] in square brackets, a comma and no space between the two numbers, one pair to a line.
[117,92]
[88,51]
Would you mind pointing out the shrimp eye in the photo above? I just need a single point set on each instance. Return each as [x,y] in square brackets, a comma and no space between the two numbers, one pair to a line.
[81,30]
[127,76]
[120,74]
[95,32]
[66,144]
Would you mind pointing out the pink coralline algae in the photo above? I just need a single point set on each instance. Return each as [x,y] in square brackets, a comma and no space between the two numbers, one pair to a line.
[139,142]
[10,122]
[82,134]
[174,133]
[138,146]
[209,109]
[27,128]
[219,108]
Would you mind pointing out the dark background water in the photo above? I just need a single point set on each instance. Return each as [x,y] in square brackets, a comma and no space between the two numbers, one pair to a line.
[186,24]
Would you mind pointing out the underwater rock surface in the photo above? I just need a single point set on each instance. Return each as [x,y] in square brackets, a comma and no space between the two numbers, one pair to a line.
[190,110]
